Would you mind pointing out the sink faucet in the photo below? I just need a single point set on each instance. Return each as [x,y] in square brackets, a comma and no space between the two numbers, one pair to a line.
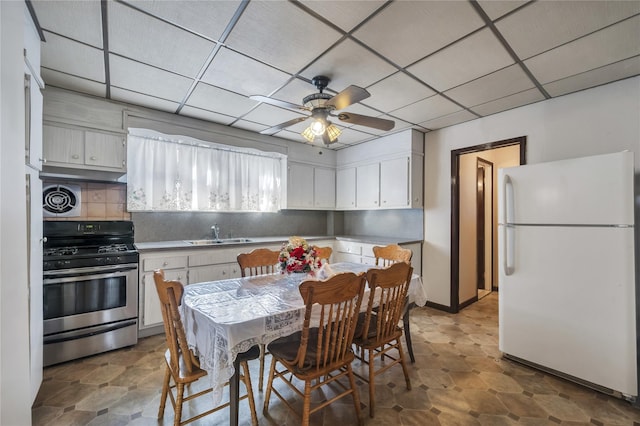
[216,231]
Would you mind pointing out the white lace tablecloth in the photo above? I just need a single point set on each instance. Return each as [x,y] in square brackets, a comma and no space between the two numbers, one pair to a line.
[227,317]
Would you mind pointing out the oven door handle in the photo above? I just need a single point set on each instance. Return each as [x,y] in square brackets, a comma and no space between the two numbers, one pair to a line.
[81,274]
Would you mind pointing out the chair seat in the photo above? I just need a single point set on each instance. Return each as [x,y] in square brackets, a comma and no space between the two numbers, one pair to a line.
[252,353]
[286,349]
[370,339]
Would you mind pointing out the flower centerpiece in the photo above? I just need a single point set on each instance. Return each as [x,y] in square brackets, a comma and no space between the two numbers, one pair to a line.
[297,256]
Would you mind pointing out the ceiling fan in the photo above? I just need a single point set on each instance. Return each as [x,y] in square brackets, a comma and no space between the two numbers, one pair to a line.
[321,106]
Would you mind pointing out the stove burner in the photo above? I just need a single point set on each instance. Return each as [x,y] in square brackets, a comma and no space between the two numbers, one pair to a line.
[113,248]
[61,251]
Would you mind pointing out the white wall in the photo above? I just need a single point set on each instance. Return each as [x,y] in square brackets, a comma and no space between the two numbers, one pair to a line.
[15,395]
[600,120]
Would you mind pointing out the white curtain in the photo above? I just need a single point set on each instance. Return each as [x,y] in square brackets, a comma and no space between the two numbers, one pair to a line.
[178,173]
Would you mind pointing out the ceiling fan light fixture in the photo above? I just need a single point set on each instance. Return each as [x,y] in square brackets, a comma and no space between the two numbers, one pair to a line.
[333,132]
[308,134]
[318,127]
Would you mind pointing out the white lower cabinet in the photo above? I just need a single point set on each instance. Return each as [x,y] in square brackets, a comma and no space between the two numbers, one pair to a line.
[353,251]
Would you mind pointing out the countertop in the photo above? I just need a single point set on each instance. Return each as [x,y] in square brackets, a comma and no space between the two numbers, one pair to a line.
[183,244]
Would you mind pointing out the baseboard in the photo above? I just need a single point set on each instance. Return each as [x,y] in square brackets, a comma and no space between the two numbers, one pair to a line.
[440,307]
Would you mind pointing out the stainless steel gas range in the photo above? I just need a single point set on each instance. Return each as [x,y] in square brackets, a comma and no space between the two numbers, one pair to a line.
[90,288]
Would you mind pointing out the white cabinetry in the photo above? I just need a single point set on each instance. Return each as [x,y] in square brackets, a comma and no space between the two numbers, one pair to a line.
[394,183]
[383,174]
[174,264]
[346,188]
[33,85]
[358,252]
[368,186]
[310,187]
[83,148]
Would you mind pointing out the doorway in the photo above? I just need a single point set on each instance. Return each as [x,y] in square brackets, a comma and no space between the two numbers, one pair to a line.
[484,221]
[474,248]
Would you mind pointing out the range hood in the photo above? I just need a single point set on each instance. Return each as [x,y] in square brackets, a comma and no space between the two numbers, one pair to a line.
[84,175]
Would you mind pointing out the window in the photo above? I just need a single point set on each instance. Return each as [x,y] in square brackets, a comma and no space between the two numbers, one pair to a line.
[179,173]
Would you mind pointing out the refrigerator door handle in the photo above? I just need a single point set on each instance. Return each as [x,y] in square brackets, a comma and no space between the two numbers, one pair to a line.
[508,236]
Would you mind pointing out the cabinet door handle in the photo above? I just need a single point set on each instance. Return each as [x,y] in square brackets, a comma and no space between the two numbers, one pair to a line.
[75,156]
[165,263]
[93,158]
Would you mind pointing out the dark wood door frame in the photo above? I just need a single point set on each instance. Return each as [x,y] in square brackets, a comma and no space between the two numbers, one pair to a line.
[482,166]
[455,207]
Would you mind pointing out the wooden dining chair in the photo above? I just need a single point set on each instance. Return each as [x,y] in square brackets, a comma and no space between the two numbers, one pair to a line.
[388,255]
[183,367]
[323,253]
[378,332]
[322,352]
[260,261]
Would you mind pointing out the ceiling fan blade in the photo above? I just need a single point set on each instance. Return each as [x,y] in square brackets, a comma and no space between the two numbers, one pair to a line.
[278,102]
[348,96]
[365,120]
[274,129]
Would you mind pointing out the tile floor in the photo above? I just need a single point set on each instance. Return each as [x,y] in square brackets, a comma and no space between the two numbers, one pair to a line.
[459,378]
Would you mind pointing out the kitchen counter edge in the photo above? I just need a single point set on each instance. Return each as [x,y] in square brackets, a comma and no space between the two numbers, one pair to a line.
[180,244]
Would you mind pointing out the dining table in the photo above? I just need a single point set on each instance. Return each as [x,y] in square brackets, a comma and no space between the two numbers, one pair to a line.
[227,317]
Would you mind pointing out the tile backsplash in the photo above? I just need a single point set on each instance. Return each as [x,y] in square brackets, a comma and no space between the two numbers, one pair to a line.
[99,201]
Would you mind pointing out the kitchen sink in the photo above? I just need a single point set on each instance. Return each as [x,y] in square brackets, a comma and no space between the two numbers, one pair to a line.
[215,242]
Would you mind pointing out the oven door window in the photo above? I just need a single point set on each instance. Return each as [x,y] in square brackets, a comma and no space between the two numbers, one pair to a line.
[80,297]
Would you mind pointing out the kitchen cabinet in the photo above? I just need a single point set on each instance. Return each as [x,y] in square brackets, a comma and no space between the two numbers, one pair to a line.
[368,186]
[33,85]
[174,264]
[394,183]
[83,148]
[386,173]
[310,187]
[346,188]
[359,252]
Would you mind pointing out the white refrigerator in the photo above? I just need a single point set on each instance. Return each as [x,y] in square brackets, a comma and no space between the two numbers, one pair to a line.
[566,250]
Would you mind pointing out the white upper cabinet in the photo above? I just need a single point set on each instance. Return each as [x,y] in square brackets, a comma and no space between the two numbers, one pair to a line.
[86,149]
[368,186]
[394,183]
[386,173]
[346,188]
[311,187]
[324,188]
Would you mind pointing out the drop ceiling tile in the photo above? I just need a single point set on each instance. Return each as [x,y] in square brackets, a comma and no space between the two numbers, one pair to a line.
[77,84]
[295,91]
[497,85]
[135,35]
[350,136]
[67,56]
[466,60]
[344,14]
[596,77]
[141,99]
[612,44]
[426,109]
[449,120]
[79,20]
[142,78]
[509,102]
[214,99]
[349,63]
[238,73]
[204,17]
[281,34]
[206,115]
[497,8]
[270,115]
[407,31]
[396,91]
[543,25]
[249,125]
